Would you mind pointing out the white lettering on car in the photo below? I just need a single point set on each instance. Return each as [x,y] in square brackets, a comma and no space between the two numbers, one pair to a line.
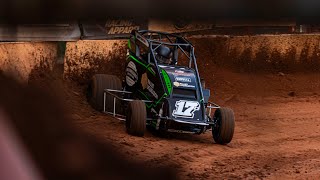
[131,74]
[185,109]
[177,84]
[183,79]
[151,89]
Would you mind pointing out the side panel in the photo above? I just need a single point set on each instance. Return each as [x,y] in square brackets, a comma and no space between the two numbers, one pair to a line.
[143,79]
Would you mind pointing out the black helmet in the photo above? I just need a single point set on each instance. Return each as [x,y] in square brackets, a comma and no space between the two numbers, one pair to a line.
[163,54]
[164,51]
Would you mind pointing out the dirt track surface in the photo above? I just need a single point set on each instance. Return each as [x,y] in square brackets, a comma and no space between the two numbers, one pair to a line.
[277,133]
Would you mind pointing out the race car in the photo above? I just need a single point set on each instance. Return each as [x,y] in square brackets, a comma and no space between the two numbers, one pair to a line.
[161,89]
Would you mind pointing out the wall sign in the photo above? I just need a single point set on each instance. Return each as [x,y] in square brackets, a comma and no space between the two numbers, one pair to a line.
[111,28]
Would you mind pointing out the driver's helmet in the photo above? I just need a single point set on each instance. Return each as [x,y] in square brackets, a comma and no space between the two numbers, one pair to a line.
[164,55]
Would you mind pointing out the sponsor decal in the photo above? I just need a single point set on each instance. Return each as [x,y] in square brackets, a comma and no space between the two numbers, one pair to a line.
[151,89]
[183,79]
[178,72]
[185,109]
[184,75]
[186,85]
[131,74]
[177,84]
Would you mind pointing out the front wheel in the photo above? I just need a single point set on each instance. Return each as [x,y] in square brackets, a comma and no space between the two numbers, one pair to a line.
[223,129]
[136,118]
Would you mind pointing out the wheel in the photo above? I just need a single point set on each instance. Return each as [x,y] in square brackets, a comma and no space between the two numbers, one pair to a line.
[223,130]
[136,118]
[98,83]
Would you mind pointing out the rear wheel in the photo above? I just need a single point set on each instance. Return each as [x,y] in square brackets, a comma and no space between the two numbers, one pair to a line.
[98,83]
[223,129]
[136,118]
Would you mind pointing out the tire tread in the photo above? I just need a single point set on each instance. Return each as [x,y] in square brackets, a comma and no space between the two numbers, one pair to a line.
[227,125]
[136,118]
[99,82]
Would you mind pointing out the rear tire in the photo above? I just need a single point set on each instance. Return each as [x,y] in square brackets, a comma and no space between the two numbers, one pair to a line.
[223,130]
[98,83]
[136,118]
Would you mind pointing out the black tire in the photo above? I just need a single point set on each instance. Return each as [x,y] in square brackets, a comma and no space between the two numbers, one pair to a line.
[98,83]
[136,118]
[223,130]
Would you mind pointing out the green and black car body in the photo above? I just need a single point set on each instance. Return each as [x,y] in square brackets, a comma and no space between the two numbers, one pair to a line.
[176,100]
[161,89]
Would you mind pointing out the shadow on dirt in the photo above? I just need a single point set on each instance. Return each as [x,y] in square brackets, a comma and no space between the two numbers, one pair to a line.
[58,149]
[193,138]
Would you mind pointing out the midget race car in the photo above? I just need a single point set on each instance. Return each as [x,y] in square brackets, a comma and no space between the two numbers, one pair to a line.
[161,89]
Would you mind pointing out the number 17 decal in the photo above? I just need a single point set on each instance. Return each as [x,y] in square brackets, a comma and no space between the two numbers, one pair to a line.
[185,109]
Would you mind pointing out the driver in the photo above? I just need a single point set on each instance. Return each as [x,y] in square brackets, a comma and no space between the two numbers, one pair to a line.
[164,55]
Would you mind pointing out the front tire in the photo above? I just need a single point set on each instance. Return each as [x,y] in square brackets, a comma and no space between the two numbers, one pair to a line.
[223,129]
[136,118]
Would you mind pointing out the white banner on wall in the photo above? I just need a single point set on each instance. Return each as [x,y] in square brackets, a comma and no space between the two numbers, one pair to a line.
[39,32]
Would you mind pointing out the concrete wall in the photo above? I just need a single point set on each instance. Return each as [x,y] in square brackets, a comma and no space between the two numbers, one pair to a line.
[263,53]
[20,60]
[87,57]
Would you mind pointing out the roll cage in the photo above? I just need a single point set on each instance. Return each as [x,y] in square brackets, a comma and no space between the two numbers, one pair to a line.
[151,40]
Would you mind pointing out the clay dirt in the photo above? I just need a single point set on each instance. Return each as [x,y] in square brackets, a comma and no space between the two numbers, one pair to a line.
[277,134]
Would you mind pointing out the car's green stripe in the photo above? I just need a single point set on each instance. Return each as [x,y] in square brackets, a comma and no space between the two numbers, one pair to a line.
[164,95]
[167,80]
[129,44]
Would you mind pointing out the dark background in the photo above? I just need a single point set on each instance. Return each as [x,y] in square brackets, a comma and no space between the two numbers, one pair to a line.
[47,11]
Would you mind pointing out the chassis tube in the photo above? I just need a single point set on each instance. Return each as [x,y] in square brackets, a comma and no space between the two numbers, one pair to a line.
[198,80]
[157,67]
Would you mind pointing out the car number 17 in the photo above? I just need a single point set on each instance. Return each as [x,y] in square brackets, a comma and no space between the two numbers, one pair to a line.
[185,109]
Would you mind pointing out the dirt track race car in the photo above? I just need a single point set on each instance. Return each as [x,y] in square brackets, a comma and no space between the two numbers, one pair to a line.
[161,89]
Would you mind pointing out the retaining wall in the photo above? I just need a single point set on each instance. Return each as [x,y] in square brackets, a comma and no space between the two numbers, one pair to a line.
[263,53]
[21,59]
